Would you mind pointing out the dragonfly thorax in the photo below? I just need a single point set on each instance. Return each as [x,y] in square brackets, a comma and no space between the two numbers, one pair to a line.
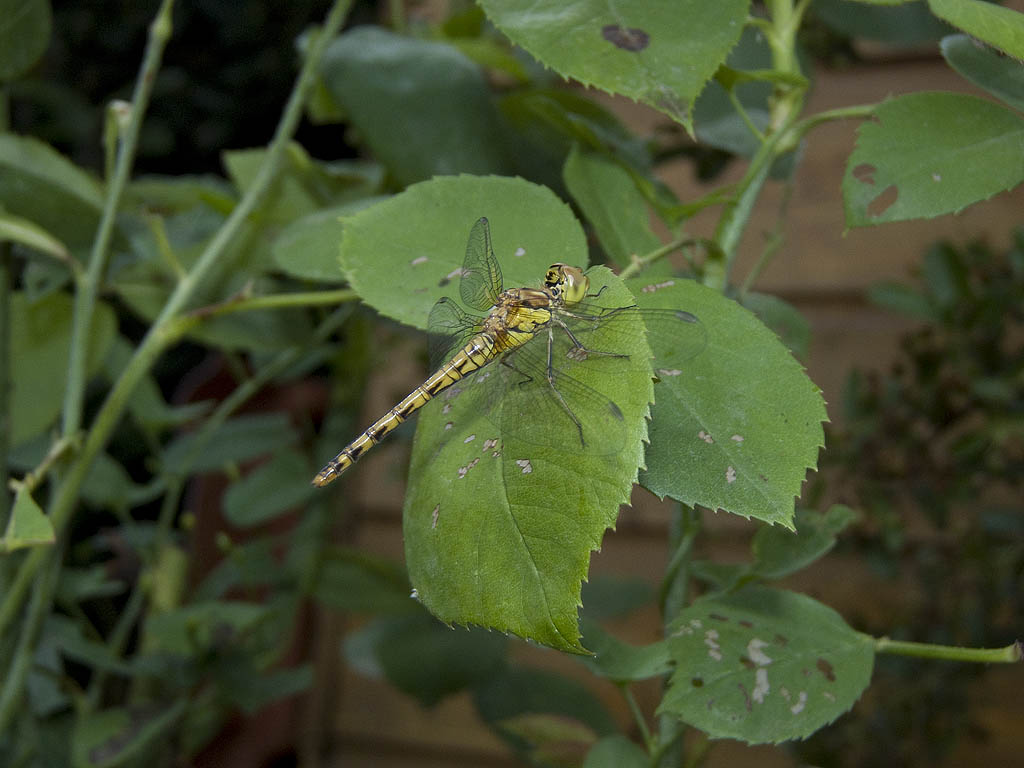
[565,284]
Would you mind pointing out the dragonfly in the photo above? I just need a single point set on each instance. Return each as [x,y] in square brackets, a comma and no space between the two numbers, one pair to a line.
[538,336]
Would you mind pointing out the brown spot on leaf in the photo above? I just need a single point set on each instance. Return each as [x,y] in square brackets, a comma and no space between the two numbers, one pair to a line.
[747,662]
[631,39]
[884,201]
[745,623]
[718,617]
[826,669]
[780,640]
[746,697]
[865,173]
[697,682]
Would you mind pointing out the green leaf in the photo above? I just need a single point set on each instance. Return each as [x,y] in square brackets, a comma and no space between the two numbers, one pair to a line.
[28,525]
[1002,76]
[499,523]
[610,201]
[41,343]
[612,597]
[906,23]
[354,581]
[903,299]
[1000,27]
[931,153]
[784,319]
[113,737]
[271,489]
[423,107]
[551,739]
[518,690]
[420,235]
[427,660]
[40,184]
[24,35]
[198,627]
[736,427]
[763,665]
[778,552]
[621,661]
[616,751]
[15,229]
[308,247]
[238,439]
[631,49]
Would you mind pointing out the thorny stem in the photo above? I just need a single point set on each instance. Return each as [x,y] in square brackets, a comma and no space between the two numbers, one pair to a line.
[88,287]
[6,285]
[163,330]
[638,263]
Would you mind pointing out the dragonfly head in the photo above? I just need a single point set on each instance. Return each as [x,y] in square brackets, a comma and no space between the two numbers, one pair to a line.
[566,283]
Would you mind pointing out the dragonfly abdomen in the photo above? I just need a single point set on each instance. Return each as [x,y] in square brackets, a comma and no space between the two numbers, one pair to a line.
[478,352]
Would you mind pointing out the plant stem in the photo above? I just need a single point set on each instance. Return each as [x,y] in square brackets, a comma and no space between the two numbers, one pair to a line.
[39,608]
[6,286]
[638,717]
[168,325]
[671,599]
[639,262]
[1010,654]
[88,287]
[278,301]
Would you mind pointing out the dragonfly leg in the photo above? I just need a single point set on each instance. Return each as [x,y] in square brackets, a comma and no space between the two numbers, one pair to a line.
[551,383]
[581,352]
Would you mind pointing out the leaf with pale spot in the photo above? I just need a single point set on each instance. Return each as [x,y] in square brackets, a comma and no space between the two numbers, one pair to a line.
[764,666]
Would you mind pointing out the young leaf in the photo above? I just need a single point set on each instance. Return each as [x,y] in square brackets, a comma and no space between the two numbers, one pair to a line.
[16,229]
[40,184]
[24,35]
[419,237]
[308,247]
[423,107]
[1000,27]
[238,439]
[428,660]
[113,737]
[632,49]
[28,525]
[353,581]
[611,202]
[778,552]
[1002,76]
[737,426]
[270,490]
[503,510]
[764,665]
[616,751]
[928,154]
[41,339]
[621,661]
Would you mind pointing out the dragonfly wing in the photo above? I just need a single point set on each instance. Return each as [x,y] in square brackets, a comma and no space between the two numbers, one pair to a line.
[564,413]
[449,328]
[481,276]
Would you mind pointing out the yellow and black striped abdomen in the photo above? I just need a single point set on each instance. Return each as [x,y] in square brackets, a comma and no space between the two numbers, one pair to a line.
[478,352]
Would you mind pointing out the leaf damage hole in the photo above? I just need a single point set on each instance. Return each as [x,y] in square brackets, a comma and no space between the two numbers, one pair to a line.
[730,475]
[705,437]
[520,252]
[884,201]
[469,439]
[761,685]
[631,39]
[418,260]
[463,471]
[826,669]
[801,702]
[433,517]
[865,173]
[662,372]
[524,465]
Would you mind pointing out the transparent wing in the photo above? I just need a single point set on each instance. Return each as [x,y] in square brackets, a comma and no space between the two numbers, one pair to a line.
[448,330]
[565,414]
[481,275]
